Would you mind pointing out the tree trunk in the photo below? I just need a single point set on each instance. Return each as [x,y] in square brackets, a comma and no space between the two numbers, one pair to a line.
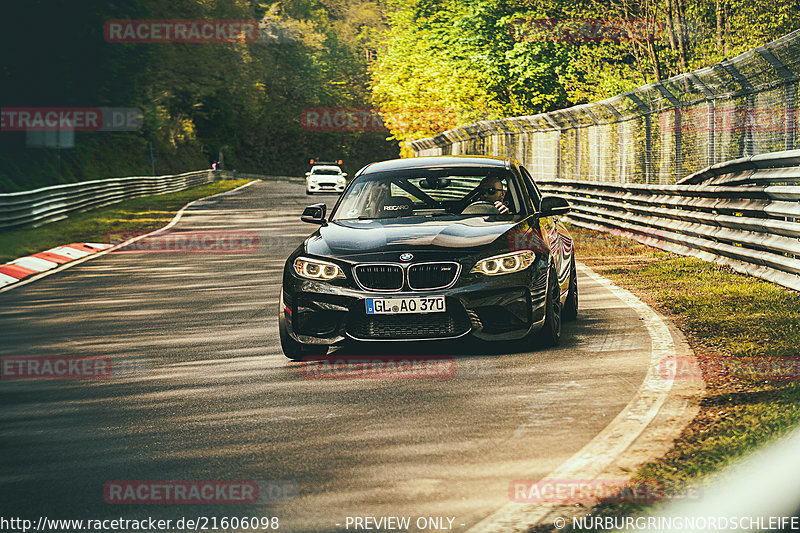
[670,28]
[652,51]
[727,26]
[679,14]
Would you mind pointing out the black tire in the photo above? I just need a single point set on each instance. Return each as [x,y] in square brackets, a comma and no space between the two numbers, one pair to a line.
[297,351]
[570,311]
[550,334]
[308,193]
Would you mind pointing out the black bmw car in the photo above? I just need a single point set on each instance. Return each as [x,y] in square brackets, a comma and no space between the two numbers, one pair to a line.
[431,248]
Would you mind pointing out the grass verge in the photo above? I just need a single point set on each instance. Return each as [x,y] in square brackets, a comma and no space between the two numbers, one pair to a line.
[143,214]
[727,318]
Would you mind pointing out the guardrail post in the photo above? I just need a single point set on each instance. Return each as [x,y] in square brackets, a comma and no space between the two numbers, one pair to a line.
[711,126]
[548,117]
[746,141]
[620,141]
[789,95]
[574,127]
[678,131]
[790,125]
[559,166]
[594,163]
[711,123]
[750,121]
[645,110]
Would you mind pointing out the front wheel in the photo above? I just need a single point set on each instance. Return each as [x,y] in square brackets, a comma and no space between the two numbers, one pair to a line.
[550,334]
[570,311]
[292,349]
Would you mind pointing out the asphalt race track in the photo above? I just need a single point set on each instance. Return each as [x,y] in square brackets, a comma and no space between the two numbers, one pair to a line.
[199,390]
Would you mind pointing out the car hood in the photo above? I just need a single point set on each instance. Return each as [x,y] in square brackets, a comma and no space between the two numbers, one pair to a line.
[353,237]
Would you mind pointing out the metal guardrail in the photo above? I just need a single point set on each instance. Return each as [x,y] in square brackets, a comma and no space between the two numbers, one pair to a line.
[48,204]
[744,213]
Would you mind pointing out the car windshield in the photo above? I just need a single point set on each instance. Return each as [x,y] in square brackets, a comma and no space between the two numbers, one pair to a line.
[420,192]
[326,171]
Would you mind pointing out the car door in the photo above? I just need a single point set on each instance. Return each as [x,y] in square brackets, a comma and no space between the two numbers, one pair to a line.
[554,233]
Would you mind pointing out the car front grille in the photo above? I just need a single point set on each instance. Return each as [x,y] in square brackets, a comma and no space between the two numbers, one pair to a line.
[380,277]
[432,275]
[408,326]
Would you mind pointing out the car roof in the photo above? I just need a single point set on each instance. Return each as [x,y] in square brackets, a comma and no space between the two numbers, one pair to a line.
[438,161]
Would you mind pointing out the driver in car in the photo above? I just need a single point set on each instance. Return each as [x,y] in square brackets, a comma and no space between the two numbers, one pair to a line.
[491,190]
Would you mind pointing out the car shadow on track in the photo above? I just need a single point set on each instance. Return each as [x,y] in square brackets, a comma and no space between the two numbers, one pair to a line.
[462,348]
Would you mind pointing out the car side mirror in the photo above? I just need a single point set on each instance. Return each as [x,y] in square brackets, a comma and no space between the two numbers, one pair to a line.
[308,173]
[554,205]
[315,214]
[344,174]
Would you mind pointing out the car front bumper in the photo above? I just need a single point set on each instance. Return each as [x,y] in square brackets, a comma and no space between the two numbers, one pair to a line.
[325,186]
[321,313]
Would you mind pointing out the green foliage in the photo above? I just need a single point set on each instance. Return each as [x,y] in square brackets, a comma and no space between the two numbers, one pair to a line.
[446,63]
[451,62]
[440,64]
[241,99]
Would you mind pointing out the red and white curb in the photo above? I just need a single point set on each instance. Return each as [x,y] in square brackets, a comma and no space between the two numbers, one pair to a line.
[21,268]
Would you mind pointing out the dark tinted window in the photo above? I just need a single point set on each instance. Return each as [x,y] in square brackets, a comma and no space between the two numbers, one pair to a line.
[533,190]
[429,192]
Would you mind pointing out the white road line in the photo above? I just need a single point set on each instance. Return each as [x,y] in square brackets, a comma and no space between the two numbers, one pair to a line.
[599,454]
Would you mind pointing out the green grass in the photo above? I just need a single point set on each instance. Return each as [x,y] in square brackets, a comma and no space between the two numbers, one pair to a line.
[129,216]
[741,315]
[723,314]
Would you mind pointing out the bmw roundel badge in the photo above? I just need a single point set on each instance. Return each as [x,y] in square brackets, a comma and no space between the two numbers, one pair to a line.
[406,256]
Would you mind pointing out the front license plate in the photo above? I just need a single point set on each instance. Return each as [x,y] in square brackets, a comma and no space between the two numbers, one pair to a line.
[396,306]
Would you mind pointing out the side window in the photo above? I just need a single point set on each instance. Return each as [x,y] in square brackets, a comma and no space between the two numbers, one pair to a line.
[514,197]
[533,190]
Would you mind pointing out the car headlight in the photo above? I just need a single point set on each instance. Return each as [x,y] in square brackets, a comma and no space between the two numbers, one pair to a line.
[505,263]
[314,269]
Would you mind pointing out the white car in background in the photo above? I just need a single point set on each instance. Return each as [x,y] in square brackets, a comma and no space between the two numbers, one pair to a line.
[325,178]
